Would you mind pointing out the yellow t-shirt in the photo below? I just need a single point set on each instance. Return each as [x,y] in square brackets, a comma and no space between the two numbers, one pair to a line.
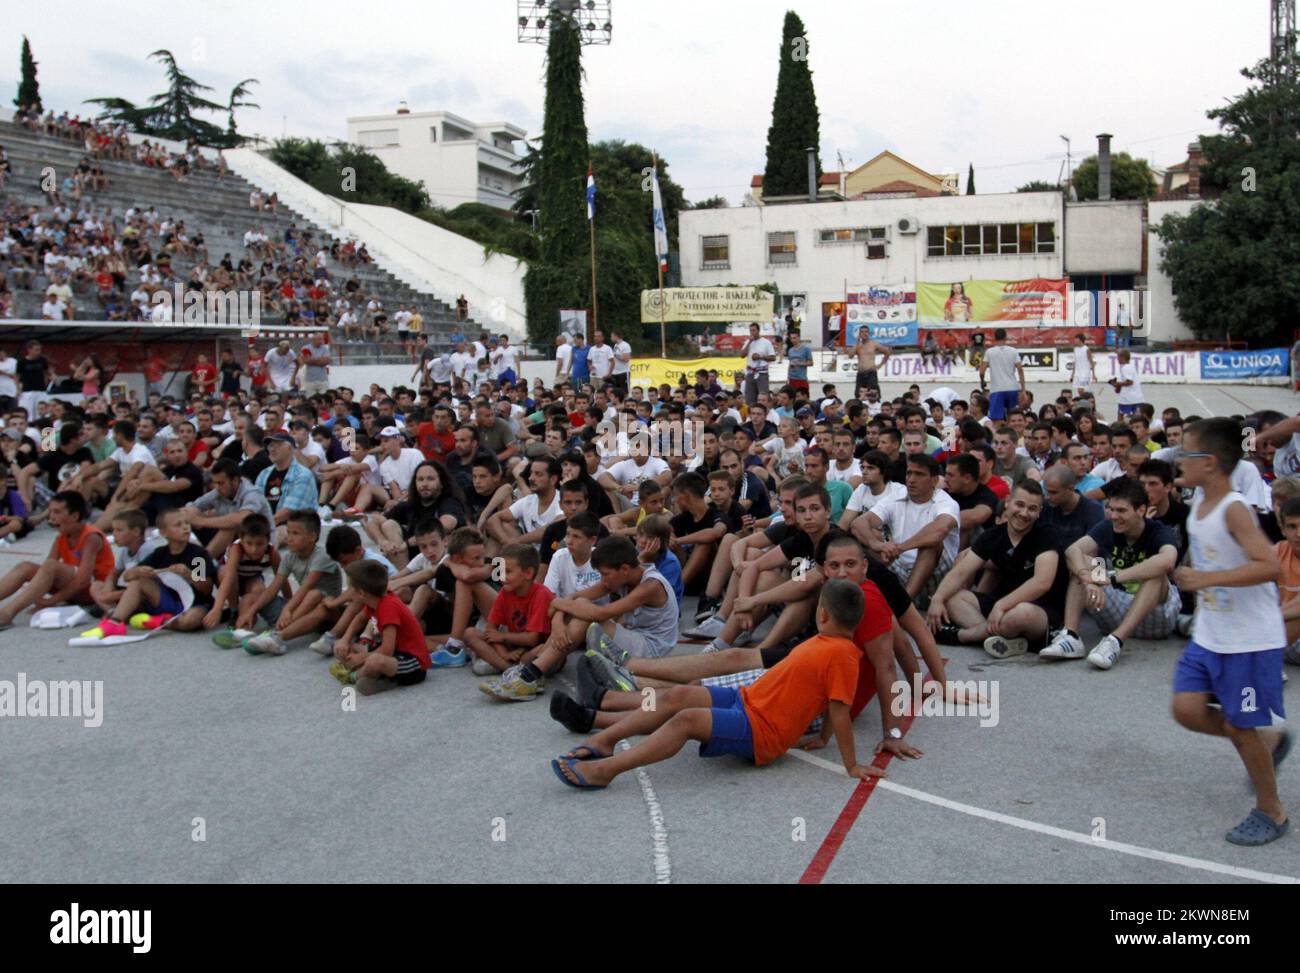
[416,324]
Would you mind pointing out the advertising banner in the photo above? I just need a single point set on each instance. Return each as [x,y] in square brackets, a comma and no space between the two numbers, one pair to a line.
[657,371]
[710,305]
[1266,363]
[991,302]
[889,310]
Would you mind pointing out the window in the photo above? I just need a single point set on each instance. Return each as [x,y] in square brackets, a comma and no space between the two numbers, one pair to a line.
[835,236]
[716,253]
[377,137]
[433,133]
[781,248]
[877,243]
[971,240]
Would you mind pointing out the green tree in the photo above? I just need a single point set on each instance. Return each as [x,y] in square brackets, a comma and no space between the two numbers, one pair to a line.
[713,202]
[796,123]
[239,99]
[560,277]
[29,90]
[1235,262]
[172,114]
[970,181]
[349,172]
[1039,186]
[1130,178]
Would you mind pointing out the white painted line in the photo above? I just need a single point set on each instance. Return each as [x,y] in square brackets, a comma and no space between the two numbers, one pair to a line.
[658,832]
[1205,409]
[1122,848]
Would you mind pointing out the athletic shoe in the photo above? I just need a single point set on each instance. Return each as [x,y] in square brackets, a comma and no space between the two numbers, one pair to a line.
[481,667]
[571,714]
[598,641]
[707,607]
[948,634]
[590,690]
[1064,645]
[324,645]
[232,638]
[442,659]
[148,622]
[343,674]
[1003,648]
[269,643]
[710,628]
[512,686]
[107,627]
[1184,625]
[353,513]
[325,513]
[1105,652]
[610,674]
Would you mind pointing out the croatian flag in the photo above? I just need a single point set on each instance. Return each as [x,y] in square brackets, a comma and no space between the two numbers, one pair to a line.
[591,195]
[661,228]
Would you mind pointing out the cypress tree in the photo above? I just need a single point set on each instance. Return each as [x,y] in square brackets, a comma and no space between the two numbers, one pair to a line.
[561,275]
[795,120]
[970,181]
[29,91]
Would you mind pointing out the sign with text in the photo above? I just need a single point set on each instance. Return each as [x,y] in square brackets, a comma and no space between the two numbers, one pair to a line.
[712,305]
[1039,301]
[1266,363]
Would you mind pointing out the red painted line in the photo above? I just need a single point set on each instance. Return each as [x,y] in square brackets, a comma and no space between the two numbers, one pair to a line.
[830,846]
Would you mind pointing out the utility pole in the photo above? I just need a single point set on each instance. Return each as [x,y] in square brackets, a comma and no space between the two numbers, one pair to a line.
[1282,32]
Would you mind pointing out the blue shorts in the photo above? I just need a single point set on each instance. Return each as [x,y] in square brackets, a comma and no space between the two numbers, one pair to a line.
[731,732]
[1127,410]
[1247,684]
[1001,403]
[169,603]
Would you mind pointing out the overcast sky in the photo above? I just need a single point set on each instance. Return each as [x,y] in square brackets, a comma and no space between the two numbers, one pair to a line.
[942,83]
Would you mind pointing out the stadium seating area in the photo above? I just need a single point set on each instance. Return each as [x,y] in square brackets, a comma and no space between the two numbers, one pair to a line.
[217,206]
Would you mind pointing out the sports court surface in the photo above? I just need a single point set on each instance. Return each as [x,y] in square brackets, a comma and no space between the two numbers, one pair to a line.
[437,783]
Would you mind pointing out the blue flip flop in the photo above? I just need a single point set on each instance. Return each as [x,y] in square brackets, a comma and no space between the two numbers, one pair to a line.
[591,753]
[1256,829]
[581,783]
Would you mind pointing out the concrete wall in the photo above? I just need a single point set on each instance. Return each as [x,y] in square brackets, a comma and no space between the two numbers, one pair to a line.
[426,257]
[1164,322]
[1103,238]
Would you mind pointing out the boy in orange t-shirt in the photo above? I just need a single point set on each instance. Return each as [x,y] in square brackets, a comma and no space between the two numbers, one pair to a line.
[759,722]
[79,556]
[1288,582]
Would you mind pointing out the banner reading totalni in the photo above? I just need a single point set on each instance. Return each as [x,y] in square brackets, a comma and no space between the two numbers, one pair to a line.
[1026,303]
[713,305]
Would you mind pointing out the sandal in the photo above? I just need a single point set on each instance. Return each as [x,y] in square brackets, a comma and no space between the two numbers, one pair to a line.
[559,765]
[1256,829]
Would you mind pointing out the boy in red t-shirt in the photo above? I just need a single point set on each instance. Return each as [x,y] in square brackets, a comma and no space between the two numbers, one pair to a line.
[256,369]
[520,619]
[757,723]
[204,376]
[401,658]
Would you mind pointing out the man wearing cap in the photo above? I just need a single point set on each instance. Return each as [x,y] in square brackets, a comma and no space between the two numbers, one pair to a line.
[286,483]
[398,463]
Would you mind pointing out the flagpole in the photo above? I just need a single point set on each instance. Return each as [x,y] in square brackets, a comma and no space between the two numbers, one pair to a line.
[591,225]
[663,327]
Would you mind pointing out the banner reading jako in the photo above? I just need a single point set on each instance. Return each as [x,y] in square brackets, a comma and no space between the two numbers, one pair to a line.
[711,305]
[1037,302]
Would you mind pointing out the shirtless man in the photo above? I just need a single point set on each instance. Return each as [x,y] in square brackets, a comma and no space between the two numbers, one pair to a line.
[867,349]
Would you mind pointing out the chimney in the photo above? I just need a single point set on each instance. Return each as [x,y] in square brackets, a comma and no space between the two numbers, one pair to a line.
[812,175]
[1194,170]
[1103,167]
[402,109]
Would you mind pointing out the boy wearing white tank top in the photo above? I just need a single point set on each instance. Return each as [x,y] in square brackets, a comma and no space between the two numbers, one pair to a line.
[1235,654]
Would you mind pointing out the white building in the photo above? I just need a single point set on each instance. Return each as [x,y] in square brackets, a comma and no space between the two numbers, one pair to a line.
[458,161]
[813,252]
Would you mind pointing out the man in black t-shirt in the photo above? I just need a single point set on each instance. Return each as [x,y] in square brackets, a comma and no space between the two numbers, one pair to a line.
[231,373]
[177,483]
[975,501]
[1025,603]
[62,466]
[697,530]
[572,503]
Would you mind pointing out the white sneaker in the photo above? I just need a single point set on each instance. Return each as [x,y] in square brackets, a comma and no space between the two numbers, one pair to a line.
[324,645]
[481,667]
[1064,646]
[710,628]
[1001,648]
[1105,652]
[325,513]
[267,644]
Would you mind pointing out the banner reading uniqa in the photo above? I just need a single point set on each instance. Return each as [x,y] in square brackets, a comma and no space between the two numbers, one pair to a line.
[1266,363]
[888,311]
[1038,302]
[710,305]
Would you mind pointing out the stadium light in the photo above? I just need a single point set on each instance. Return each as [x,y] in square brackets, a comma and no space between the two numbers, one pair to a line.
[593,19]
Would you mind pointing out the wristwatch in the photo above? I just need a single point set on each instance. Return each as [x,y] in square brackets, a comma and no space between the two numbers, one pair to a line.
[1110,575]
[895,733]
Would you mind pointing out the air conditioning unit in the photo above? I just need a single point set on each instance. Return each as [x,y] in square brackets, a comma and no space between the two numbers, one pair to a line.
[908,226]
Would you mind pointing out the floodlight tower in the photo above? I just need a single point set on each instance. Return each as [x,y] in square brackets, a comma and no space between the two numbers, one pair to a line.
[591,17]
[1282,32]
